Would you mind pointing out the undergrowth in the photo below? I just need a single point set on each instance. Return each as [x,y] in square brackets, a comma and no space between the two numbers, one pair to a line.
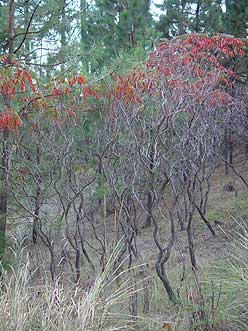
[54,306]
[213,298]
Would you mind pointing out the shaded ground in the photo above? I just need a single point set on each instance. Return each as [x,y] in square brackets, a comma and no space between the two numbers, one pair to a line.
[224,208]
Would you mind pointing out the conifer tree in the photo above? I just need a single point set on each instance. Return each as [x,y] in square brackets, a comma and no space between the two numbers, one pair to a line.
[237,17]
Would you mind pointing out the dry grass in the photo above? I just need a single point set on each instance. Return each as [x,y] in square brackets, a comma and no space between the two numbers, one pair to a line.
[25,306]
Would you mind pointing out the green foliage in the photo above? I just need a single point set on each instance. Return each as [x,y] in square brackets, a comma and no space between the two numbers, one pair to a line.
[4,26]
[233,206]
[180,17]
[237,17]
[57,225]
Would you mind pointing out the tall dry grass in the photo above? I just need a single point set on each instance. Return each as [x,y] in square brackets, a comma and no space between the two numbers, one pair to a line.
[216,299]
[224,286]
[53,306]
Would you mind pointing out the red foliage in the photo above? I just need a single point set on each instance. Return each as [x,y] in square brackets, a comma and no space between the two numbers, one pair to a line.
[188,70]
[9,120]
[69,97]
[14,81]
[62,98]
[81,80]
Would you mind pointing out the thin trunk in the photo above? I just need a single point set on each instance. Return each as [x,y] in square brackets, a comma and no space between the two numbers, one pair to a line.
[231,153]
[227,16]
[36,219]
[181,28]
[160,269]
[11,32]
[133,301]
[228,153]
[151,183]
[192,205]
[149,209]
[99,184]
[63,35]
[205,220]
[163,257]
[132,36]
[191,245]
[84,33]
[197,16]
[180,216]
[26,20]
[4,189]
[37,201]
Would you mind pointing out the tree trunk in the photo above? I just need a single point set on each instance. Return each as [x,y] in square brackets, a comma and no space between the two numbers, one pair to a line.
[63,36]
[4,189]
[163,257]
[151,183]
[37,201]
[149,210]
[160,269]
[191,245]
[228,153]
[27,40]
[11,32]
[84,34]
[197,16]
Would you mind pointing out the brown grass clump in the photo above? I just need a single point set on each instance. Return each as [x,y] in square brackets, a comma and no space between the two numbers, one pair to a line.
[52,306]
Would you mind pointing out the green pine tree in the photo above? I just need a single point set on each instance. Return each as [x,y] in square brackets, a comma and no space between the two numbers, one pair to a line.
[237,17]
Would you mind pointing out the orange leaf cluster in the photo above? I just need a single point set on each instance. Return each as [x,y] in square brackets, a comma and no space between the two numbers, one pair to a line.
[188,69]
[9,120]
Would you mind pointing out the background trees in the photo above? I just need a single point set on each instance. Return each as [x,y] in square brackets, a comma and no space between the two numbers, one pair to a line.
[236,18]
[108,133]
[181,17]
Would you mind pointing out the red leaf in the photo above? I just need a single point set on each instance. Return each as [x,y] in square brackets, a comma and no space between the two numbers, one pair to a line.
[168,72]
[29,78]
[23,84]
[86,92]
[81,80]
